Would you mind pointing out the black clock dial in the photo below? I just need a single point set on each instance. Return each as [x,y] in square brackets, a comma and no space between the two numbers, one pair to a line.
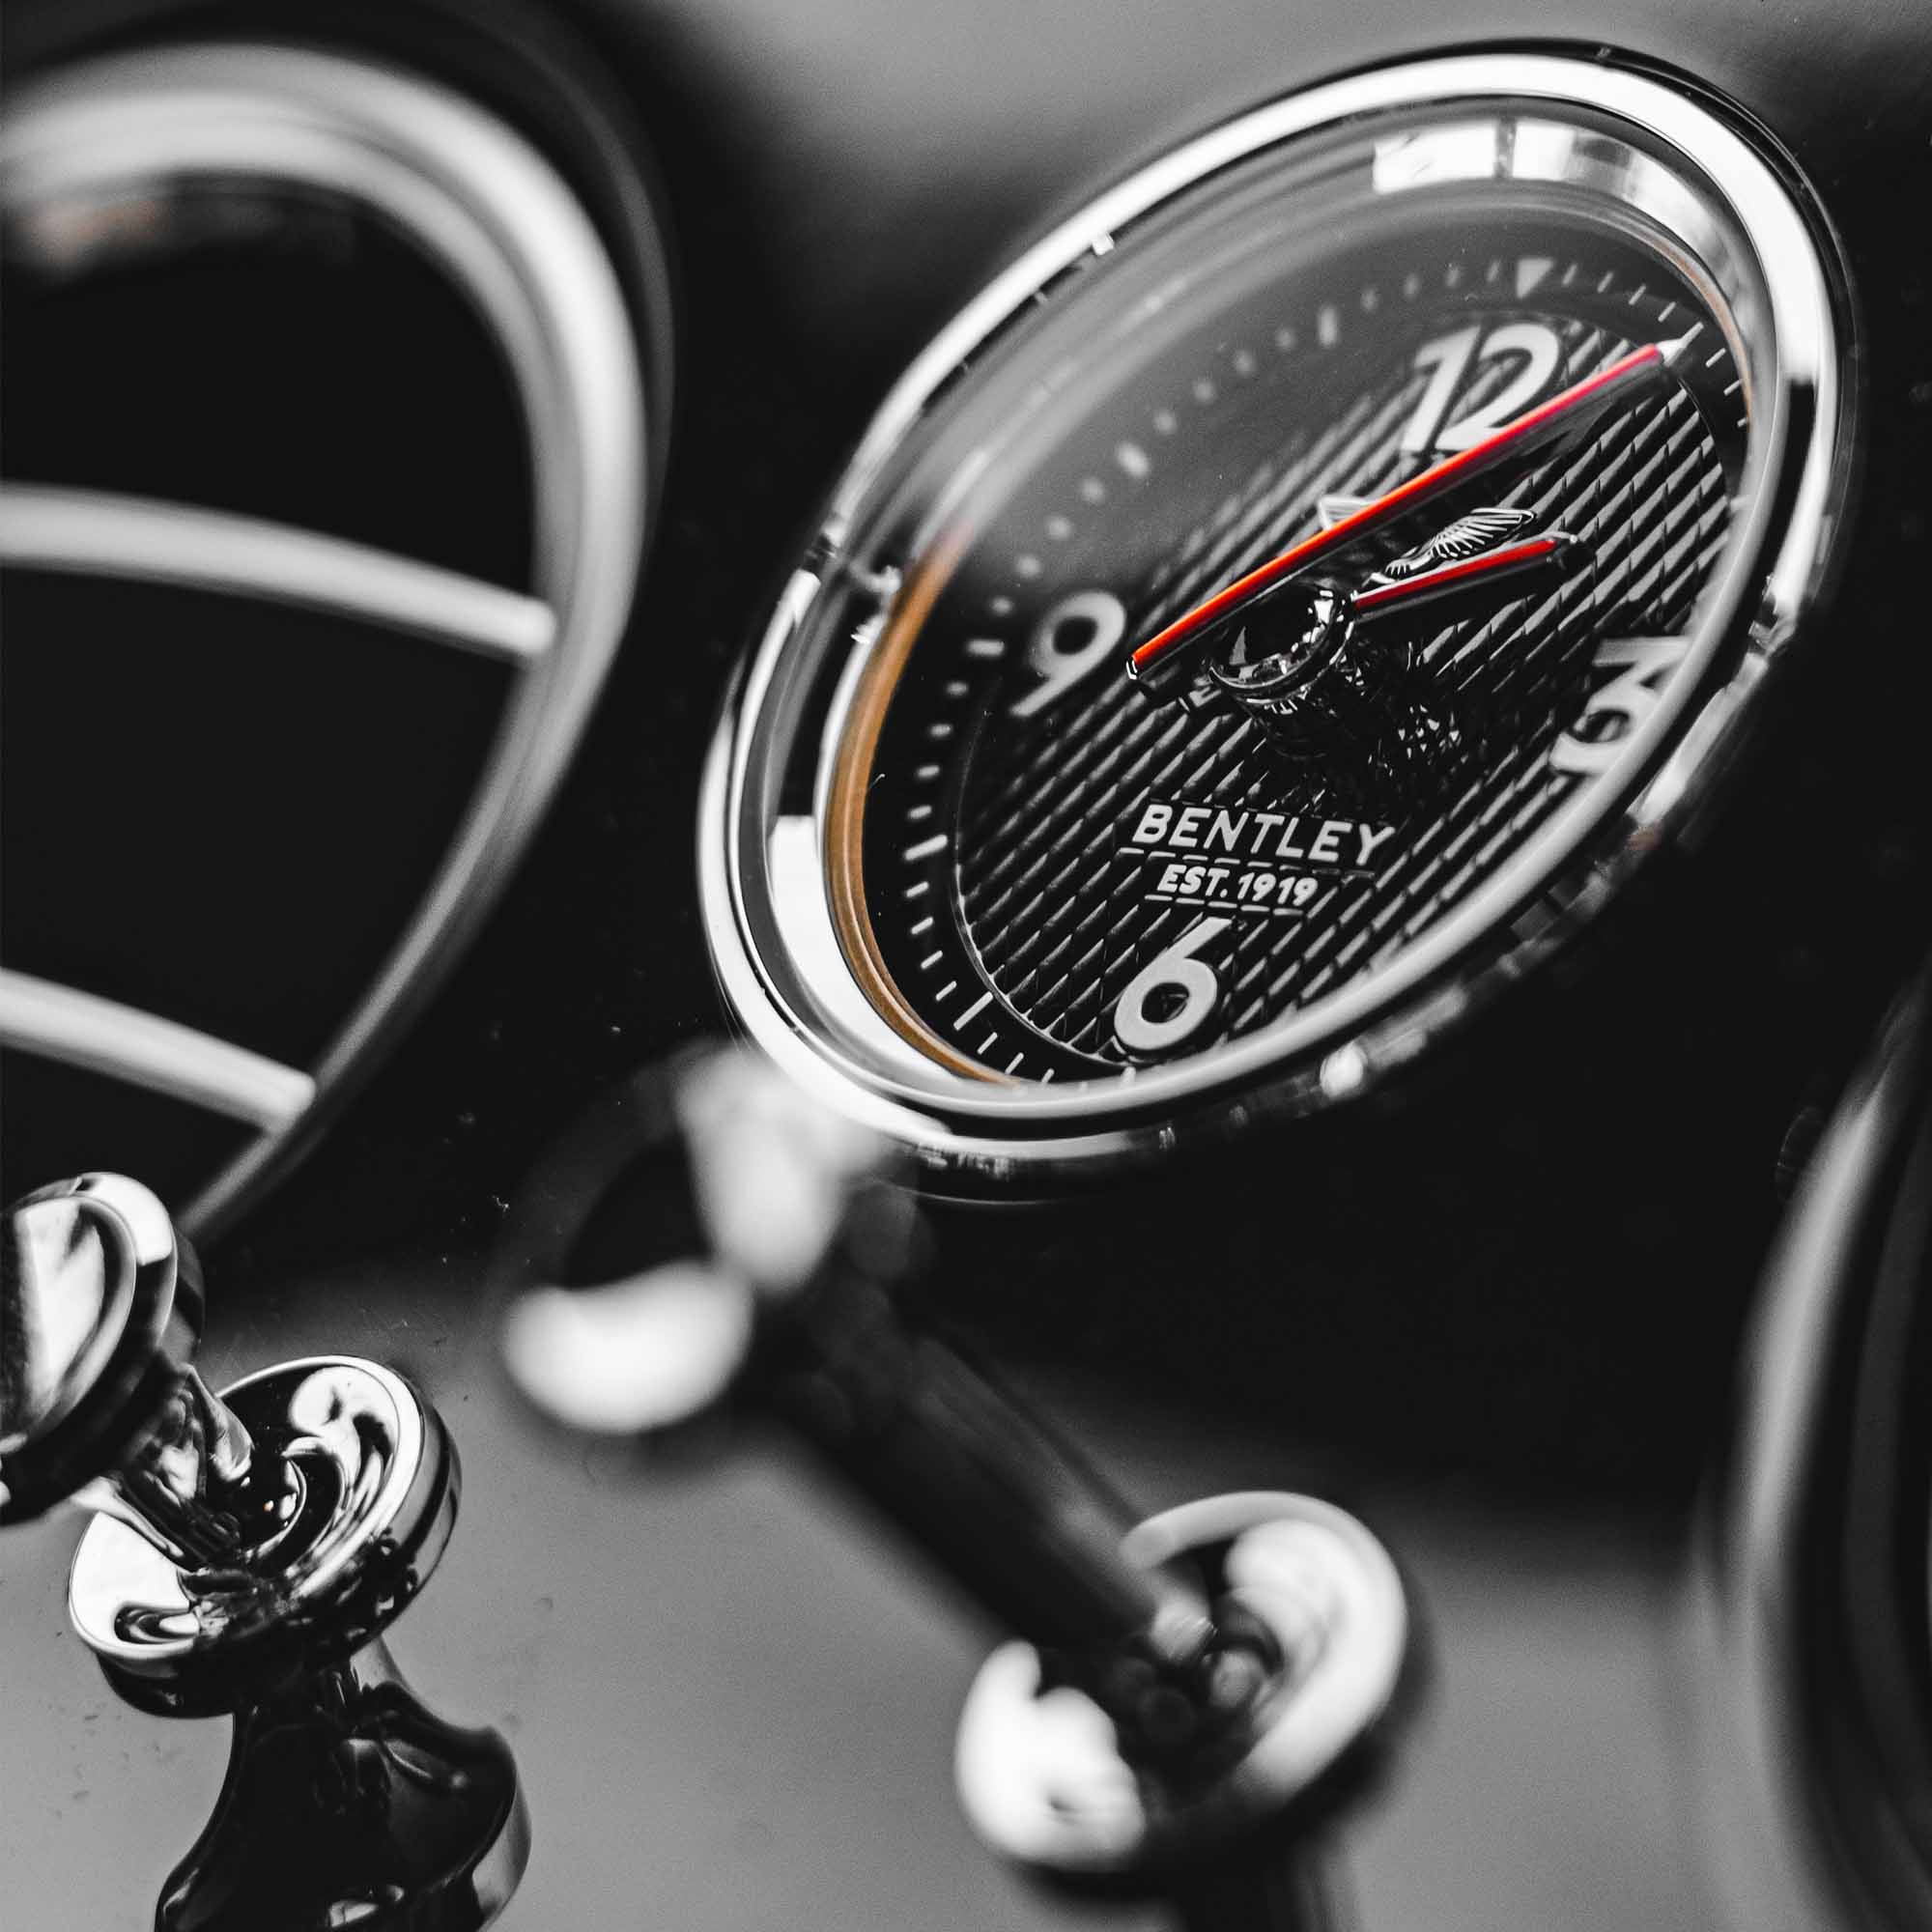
[1288,599]
[1038,833]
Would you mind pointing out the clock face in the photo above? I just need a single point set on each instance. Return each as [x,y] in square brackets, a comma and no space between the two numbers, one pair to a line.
[1291,593]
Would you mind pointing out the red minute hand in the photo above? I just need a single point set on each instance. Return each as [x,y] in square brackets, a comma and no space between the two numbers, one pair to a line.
[1548,430]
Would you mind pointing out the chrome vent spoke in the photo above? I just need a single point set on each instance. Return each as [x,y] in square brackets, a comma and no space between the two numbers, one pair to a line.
[125,157]
[97,1036]
[95,533]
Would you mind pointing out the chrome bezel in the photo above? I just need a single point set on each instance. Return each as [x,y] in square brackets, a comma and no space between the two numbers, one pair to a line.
[1701,182]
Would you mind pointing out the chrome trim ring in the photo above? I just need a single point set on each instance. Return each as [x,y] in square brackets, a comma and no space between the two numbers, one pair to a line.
[480,203]
[799,999]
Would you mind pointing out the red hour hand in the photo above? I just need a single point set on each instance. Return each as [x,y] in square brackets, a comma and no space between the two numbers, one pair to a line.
[1474,579]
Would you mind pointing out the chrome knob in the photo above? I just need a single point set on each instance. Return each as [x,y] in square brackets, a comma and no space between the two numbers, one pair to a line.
[711,1239]
[247,1553]
[100,1309]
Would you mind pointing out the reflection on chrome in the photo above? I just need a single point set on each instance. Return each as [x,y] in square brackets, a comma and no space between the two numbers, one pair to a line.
[245,1553]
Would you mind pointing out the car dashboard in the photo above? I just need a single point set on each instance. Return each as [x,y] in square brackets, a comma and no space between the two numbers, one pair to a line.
[538,539]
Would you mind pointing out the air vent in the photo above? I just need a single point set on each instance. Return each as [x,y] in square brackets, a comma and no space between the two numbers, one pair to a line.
[325,466]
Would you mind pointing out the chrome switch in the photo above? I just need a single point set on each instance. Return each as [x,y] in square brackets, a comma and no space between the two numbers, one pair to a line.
[712,1239]
[246,1553]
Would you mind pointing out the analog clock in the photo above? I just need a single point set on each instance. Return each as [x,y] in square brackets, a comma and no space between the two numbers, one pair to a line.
[1284,604]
